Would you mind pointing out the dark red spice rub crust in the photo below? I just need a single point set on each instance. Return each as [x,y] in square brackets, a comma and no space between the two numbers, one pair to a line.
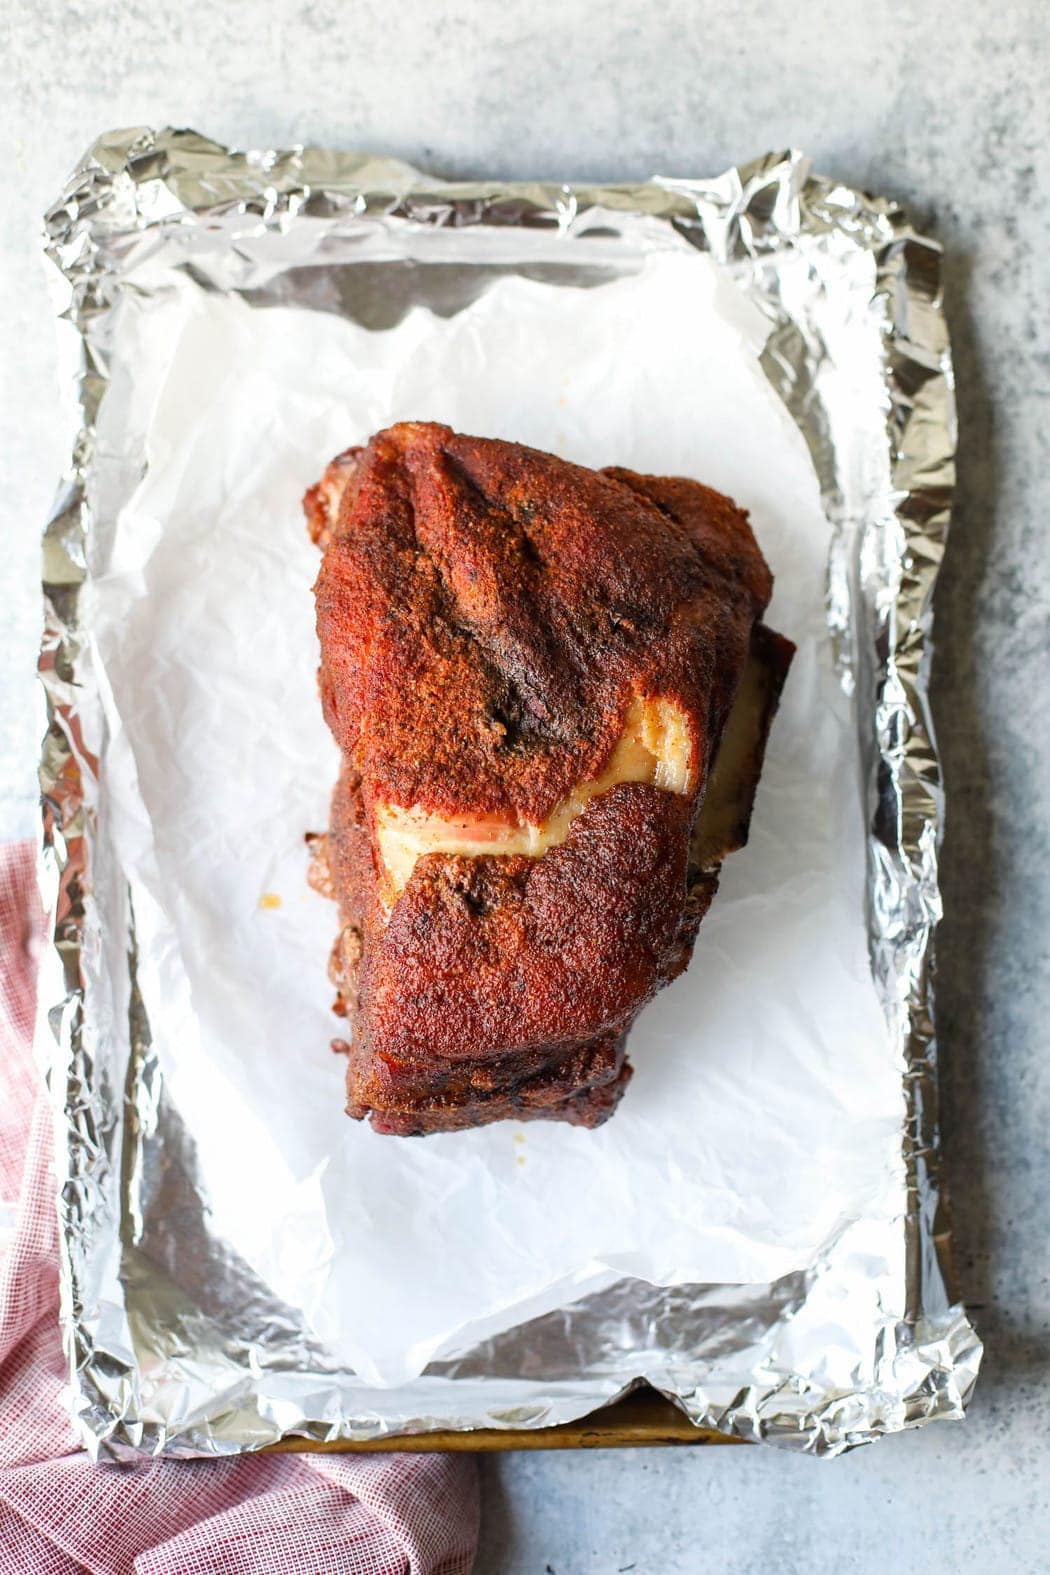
[486,614]
[486,611]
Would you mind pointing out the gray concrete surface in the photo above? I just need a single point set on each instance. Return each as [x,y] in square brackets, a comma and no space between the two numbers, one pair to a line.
[942,102]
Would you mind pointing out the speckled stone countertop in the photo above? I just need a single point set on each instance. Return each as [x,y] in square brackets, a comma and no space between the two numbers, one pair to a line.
[943,103]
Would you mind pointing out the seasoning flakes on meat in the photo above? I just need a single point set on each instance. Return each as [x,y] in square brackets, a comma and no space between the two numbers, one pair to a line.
[551,688]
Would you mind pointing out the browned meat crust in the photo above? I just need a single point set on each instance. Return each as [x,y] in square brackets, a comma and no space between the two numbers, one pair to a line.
[486,612]
[488,615]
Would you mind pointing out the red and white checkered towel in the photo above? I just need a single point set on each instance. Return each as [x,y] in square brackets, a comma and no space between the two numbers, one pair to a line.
[62,1515]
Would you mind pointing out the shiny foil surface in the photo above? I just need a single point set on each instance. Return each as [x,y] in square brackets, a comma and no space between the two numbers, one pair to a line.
[870,1338]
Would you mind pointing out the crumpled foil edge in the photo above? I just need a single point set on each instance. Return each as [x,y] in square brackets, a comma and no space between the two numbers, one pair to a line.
[881,577]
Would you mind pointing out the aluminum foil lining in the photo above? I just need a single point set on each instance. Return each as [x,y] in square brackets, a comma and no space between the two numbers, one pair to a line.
[870,1338]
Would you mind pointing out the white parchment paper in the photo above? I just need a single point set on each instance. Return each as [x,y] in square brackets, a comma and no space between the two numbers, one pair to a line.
[766,1109]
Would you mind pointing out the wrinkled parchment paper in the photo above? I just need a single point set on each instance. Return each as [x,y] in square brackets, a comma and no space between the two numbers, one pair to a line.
[766,1109]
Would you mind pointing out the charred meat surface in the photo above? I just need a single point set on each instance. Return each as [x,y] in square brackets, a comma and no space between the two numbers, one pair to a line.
[551,688]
